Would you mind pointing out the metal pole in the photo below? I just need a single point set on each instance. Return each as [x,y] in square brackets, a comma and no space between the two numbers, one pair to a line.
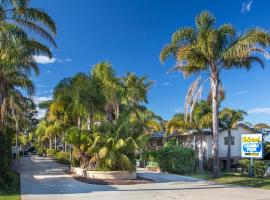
[251,168]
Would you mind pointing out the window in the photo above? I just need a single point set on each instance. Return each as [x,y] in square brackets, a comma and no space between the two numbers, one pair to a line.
[226,140]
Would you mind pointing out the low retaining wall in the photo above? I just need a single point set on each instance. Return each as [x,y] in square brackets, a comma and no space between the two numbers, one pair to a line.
[123,175]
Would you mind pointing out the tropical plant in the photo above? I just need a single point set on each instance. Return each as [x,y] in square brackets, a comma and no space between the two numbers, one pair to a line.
[22,28]
[229,119]
[211,49]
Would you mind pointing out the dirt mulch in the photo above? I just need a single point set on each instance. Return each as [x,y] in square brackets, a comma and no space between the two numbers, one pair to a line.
[139,180]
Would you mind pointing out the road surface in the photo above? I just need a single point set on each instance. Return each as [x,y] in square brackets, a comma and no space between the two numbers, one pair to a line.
[44,179]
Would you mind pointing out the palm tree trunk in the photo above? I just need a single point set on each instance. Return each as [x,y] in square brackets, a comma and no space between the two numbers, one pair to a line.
[65,143]
[50,143]
[79,123]
[201,154]
[228,163]
[55,138]
[215,106]
[90,121]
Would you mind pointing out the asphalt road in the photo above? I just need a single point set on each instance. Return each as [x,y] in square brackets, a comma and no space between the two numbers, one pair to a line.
[44,179]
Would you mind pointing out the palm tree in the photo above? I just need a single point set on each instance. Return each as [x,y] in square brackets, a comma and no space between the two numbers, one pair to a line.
[201,118]
[92,99]
[111,88]
[30,20]
[211,49]
[229,119]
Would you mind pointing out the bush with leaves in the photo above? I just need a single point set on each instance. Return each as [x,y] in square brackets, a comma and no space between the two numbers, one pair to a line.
[51,153]
[259,167]
[63,157]
[244,165]
[176,159]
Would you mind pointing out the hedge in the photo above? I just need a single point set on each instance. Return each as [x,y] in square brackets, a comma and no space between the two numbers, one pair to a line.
[259,167]
[176,159]
[51,153]
[63,157]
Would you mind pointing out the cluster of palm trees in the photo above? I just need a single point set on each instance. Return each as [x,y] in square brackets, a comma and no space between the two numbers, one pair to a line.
[208,50]
[103,116]
[25,32]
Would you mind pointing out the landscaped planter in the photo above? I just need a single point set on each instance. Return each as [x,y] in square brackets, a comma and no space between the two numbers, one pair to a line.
[122,175]
[79,171]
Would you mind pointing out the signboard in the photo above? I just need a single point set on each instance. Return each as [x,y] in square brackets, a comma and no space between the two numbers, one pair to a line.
[251,146]
[15,149]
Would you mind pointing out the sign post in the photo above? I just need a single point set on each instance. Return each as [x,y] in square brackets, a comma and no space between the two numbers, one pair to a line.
[251,147]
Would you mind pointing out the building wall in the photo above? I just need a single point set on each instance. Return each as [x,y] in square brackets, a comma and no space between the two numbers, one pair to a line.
[235,149]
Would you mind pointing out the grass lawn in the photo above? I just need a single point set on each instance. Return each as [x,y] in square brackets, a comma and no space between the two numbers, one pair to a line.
[237,179]
[11,193]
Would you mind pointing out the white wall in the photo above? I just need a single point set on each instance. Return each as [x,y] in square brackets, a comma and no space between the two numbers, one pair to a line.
[236,148]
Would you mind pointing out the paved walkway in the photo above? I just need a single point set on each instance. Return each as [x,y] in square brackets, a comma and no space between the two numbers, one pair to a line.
[43,179]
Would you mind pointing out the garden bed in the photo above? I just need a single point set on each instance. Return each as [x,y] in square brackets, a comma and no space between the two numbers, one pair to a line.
[104,175]
[138,180]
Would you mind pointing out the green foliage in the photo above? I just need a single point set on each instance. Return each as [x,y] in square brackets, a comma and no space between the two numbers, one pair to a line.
[63,157]
[244,165]
[259,167]
[152,156]
[176,159]
[51,153]
[10,186]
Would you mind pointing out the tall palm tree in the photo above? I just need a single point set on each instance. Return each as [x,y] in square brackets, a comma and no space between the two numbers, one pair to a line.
[229,119]
[211,49]
[29,19]
[111,88]
[92,99]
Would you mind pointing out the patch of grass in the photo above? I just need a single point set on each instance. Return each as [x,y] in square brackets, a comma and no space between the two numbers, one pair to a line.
[13,192]
[237,179]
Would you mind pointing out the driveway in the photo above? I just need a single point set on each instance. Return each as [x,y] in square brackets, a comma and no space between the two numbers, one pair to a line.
[44,179]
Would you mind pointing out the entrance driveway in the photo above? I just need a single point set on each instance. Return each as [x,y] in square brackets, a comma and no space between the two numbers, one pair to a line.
[43,179]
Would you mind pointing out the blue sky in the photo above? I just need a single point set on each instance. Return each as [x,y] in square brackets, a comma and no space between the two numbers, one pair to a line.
[130,35]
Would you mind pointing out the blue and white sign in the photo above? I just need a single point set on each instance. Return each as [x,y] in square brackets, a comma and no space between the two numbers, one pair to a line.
[251,145]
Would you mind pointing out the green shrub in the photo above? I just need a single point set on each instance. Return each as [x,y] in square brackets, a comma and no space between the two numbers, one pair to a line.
[51,153]
[63,157]
[244,165]
[259,167]
[152,164]
[152,156]
[176,159]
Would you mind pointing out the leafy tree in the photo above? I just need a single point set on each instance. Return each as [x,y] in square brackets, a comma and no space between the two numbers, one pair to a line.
[212,49]
[229,119]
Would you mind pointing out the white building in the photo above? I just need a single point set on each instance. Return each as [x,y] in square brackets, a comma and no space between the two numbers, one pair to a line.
[191,139]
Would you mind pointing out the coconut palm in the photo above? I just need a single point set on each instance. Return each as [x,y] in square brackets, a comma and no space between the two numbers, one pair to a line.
[229,119]
[212,49]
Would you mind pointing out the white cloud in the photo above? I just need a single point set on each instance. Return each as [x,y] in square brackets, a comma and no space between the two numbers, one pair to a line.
[167,84]
[48,72]
[260,110]
[63,60]
[178,110]
[41,85]
[246,7]
[46,60]
[242,92]
[37,100]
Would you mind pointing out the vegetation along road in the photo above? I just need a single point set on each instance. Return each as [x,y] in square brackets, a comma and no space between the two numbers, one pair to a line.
[44,179]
